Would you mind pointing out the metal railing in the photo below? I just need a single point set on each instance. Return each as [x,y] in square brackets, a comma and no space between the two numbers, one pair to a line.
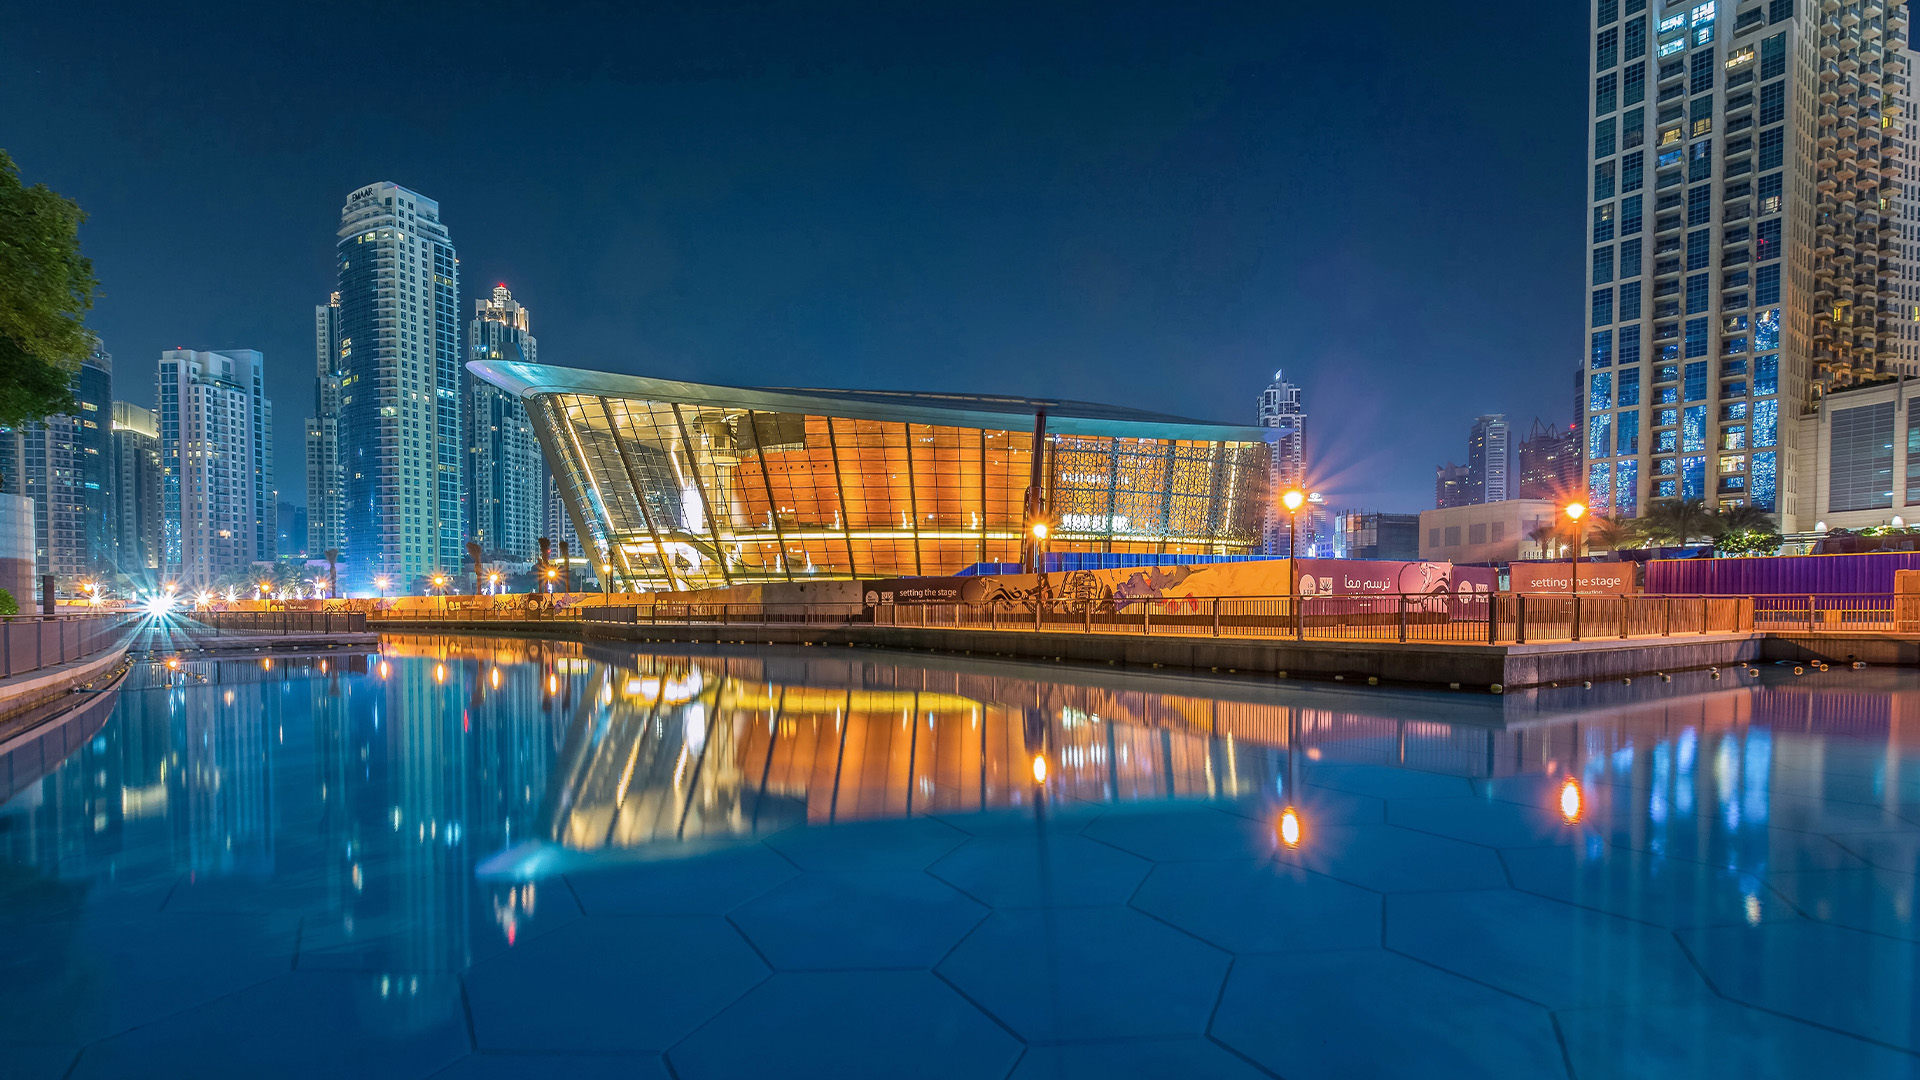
[31,642]
[1826,613]
[1479,618]
[487,614]
[281,622]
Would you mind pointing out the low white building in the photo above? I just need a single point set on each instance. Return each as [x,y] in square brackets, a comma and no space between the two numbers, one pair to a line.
[1860,457]
[1484,532]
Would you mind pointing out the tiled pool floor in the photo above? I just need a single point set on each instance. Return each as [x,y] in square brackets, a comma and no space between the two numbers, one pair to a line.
[1703,906]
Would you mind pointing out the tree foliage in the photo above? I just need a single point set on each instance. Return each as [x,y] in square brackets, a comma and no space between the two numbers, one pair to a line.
[1685,522]
[1747,530]
[46,288]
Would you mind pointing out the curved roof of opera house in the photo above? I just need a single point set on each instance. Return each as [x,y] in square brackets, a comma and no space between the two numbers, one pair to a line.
[990,411]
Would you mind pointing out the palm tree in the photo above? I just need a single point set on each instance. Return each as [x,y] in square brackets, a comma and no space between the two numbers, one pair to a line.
[1547,535]
[1683,522]
[1747,530]
[1613,533]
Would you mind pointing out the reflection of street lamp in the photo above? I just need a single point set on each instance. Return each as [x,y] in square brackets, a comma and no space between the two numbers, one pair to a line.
[1576,511]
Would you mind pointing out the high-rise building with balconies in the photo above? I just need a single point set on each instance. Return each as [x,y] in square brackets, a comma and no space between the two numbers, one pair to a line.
[326,487]
[1744,219]
[216,465]
[399,429]
[506,476]
[134,444]
[1282,412]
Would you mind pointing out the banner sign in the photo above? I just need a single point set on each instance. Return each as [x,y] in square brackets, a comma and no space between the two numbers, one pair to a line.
[1613,579]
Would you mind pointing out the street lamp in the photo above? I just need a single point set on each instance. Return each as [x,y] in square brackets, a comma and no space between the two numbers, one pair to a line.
[439,584]
[606,583]
[552,575]
[1292,500]
[1575,512]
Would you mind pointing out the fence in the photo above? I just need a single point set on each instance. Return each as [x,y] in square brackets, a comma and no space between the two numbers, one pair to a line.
[1480,618]
[281,622]
[31,642]
[1818,613]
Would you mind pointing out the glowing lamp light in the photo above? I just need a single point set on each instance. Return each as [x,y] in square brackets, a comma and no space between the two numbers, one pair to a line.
[1576,511]
[1039,530]
[493,677]
[1572,801]
[384,669]
[553,684]
[173,663]
[1292,499]
[160,604]
[1039,768]
[440,673]
[1290,827]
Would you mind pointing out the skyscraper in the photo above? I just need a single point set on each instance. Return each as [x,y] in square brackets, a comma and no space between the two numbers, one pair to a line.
[1281,409]
[216,465]
[1489,459]
[62,463]
[1452,486]
[1550,464]
[506,476]
[135,459]
[1744,211]
[399,429]
[326,488]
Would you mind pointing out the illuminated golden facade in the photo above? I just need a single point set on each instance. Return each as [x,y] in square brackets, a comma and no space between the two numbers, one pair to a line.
[681,485]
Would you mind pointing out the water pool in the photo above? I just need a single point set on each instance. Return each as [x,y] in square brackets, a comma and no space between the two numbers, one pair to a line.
[478,858]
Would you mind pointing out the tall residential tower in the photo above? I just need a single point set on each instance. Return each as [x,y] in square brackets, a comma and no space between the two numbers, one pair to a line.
[506,476]
[400,363]
[216,465]
[62,464]
[1489,459]
[1744,216]
[137,494]
[1282,411]
[326,487]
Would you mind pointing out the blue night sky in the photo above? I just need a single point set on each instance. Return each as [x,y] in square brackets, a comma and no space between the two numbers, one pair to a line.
[1142,204]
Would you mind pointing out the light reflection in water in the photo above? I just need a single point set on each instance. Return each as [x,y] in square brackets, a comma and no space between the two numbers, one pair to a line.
[386,793]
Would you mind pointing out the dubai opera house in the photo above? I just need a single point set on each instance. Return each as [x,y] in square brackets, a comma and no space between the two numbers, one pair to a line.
[681,485]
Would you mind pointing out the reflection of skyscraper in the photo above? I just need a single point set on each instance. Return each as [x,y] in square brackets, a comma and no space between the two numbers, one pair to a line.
[1281,410]
[227,771]
[506,477]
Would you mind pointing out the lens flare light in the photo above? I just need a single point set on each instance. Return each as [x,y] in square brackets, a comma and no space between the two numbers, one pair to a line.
[1039,768]
[1572,801]
[1289,828]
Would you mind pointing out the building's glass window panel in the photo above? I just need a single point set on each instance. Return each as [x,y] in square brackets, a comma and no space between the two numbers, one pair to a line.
[1762,482]
[1733,437]
[1634,7]
[1693,428]
[1602,348]
[1699,249]
[1693,477]
[1627,434]
[1913,452]
[1733,389]
[1699,206]
[1602,306]
[1766,331]
[1600,436]
[1629,384]
[1773,56]
[1766,422]
[1733,346]
[1606,48]
[1602,265]
[1766,285]
[1773,103]
[1599,487]
[1696,335]
[1629,306]
[1626,488]
[1860,458]
[1602,223]
[1603,138]
[1630,341]
[1630,259]
[872,456]
[1667,467]
[1734,411]
[1699,298]
[1771,149]
[1766,241]
[1606,93]
[1603,180]
[1633,89]
[1600,392]
[1700,80]
[1666,417]
[1630,216]
[1700,155]
[1668,395]
[1769,193]
[1632,176]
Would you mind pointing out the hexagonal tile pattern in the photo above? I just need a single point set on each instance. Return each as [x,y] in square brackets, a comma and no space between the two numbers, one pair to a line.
[572,990]
[711,883]
[1256,906]
[848,1024]
[1897,850]
[1871,899]
[876,919]
[904,844]
[76,980]
[1013,869]
[1334,1015]
[1650,888]
[301,1024]
[1713,1038]
[1386,858]
[1383,782]
[1557,954]
[571,1066]
[1321,805]
[396,940]
[1088,973]
[1839,978]
[1189,1059]
[1184,835]
[1490,822]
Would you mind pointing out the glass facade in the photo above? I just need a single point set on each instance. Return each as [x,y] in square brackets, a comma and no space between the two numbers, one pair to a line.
[683,486]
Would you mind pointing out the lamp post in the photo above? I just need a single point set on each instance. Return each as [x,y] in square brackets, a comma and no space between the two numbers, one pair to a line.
[439,585]
[1575,512]
[1292,500]
[606,583]
[493,582]
[380,583]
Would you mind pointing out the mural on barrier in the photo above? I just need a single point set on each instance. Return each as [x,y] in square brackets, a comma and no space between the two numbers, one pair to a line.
[1115,589]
